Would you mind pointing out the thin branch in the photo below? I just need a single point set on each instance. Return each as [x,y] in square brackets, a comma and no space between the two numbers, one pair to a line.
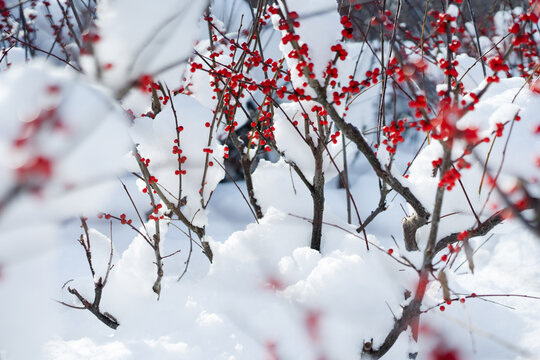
[481,230]
[105,318]
[46,52]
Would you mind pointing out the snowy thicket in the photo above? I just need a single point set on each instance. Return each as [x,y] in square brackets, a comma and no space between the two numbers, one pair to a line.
[268,180]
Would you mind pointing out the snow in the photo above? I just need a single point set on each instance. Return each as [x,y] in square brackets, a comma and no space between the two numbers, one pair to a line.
[496,107]
[86,148]
[266,294]
[474,75]
[161,40]
[156,140]
[292,138]
[101,247]
[263,285]
[318,38]
[86,349]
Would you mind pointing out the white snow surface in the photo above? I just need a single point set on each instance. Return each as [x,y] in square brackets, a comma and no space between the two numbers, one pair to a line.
[267,294]
[58,160]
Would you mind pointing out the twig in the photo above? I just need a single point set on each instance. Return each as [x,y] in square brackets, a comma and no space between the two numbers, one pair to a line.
[99,284]
[105,318]
[481,230]
[46,52]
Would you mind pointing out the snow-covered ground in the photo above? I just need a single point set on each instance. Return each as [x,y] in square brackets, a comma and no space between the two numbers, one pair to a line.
[265,288]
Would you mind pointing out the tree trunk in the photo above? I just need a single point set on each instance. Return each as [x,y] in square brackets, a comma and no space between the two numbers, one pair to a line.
[317,194]
[246,169]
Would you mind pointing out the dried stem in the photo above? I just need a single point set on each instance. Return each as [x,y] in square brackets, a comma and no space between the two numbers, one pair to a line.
[99,285]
